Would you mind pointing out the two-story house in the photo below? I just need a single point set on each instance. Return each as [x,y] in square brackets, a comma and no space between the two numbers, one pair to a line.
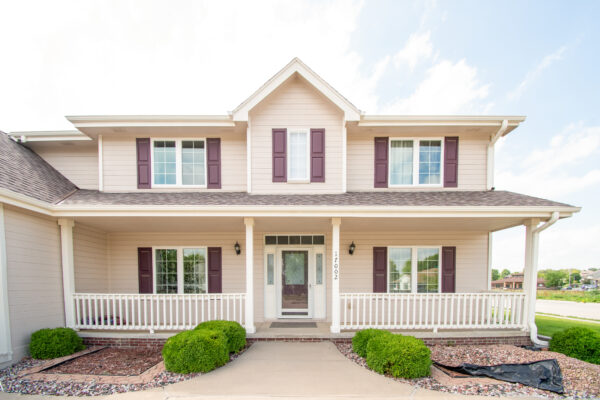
[296,206]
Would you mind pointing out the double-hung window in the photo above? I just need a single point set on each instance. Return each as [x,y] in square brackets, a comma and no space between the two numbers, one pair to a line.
[179,162]
[180,270]
[298,155]
[415,162]
[414,270]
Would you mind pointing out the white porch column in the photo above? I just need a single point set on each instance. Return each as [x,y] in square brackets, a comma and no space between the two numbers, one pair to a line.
[335,275]
[530,274]
[249,222]
[68,268]
[5,341]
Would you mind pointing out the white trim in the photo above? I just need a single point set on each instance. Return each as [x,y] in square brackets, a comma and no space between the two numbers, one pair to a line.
[5,339]
[68,269]
[414,267]
[249,325]
[335,274]
[178,163]
[113,121]
[439,120]
[305,131]
[344,157]
[48,136]
[489,266]
[249,156]
[491,154]
[180,271]
[100,164]
[416,161]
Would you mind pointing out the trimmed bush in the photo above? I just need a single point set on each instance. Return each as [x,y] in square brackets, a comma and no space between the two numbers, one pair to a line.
[580,343]
[53,343]
[235,334]
[199,350]
[399,356]
[361,339]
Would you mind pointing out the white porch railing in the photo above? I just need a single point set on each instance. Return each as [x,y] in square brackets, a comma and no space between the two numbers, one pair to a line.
[432,310]
[155,311]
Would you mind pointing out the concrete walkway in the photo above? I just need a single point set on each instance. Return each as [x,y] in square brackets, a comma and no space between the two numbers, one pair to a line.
[568,308]
[280,370]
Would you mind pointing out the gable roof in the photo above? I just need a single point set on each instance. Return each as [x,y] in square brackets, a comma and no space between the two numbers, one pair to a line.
[296,66]
[24,172]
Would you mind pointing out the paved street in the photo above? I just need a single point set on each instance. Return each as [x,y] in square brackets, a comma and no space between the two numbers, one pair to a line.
[568,308]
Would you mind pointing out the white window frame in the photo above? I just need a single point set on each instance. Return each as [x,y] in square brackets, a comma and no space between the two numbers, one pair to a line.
[180,279]
[288,158]
[178,163]
[416,147]
[413,267]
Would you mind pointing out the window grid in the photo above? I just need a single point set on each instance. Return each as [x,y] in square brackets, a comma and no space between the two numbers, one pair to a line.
[430,156]
[194,271]
[428,270]
[164,160]
[400,270]
[414,269]
[166,271]
[415,162]
[192,162]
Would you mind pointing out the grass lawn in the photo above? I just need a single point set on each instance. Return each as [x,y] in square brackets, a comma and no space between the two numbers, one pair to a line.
[547,326]
[592,296]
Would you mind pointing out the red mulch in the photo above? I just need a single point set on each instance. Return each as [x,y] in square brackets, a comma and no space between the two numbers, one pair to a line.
[111,361]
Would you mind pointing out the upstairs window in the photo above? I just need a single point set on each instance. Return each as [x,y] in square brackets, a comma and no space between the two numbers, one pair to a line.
[415,162]
[179,163]
[298,155]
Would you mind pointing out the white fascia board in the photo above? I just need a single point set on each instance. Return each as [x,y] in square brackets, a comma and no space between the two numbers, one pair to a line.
[25,202]
[437,120]
[296,66]
[48,136]
[115,121]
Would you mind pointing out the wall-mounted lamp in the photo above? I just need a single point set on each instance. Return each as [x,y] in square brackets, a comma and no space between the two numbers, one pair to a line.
[351,248]
[237,248]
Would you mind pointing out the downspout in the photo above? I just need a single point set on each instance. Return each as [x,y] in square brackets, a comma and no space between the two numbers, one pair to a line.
[490,153]
[533,334]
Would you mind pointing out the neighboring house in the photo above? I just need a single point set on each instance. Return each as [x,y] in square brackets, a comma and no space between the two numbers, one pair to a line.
[296,205]
[593,277]
[515,281]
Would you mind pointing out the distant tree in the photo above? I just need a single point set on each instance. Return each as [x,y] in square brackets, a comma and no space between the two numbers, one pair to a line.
[495,275]
[505,273]
[555,278]
[575,277]
[593,269]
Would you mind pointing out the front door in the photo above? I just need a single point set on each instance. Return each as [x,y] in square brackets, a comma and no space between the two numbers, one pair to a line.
[294,283]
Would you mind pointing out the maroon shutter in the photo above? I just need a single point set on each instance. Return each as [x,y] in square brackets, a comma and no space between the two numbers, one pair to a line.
[381,162]
[379,269]
[317,155]
[143,163]
[213,163]
[215,270]
[279,155]
[145,269]
[448,269]
[451,161]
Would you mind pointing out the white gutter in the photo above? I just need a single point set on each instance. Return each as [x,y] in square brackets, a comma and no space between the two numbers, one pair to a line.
[533,332]
[490,154]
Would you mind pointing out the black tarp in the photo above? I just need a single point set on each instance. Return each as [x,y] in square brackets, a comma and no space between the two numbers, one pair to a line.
[545,374]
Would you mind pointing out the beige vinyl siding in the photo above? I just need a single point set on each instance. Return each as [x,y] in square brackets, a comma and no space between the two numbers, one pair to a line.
[124,264]
[295,104]
[472,161]
[78,163]
[35,295]
[120,163]
[90,254]
[356,271]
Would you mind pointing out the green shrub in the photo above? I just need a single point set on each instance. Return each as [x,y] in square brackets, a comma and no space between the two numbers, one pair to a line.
[361,339]
[53,343]
[578,342]
[235,334]
[199,350]
[399,356]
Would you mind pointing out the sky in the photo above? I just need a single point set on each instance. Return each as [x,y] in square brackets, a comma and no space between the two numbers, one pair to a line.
[534,58]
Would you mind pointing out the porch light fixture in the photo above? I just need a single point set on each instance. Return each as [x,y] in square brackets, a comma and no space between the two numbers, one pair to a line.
[352,248]
[237,248]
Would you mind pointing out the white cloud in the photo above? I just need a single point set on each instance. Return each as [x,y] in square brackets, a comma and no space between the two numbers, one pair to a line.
[418,47]
[535,72]
[448,88]
[556,169]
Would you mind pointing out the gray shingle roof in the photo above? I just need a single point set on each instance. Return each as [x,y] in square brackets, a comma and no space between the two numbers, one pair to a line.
[24,172]
[413,198]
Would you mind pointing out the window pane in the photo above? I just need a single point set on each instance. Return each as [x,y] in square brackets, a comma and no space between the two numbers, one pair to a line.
[270,239]
[427,270]
[270,269]
[166,270]
[163,162]
[430,155]
[400,264]
[298,157]
[319,277]
[319,239]
[401,162]
[194,271]
[192,162]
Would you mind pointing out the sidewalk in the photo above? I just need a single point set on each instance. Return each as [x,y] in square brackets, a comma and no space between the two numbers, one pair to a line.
[568,308]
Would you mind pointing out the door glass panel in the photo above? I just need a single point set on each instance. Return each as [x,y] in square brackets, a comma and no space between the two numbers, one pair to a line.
[270,268]
[295,280]
[319,269]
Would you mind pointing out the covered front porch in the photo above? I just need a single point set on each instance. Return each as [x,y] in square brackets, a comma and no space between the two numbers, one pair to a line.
[102,274]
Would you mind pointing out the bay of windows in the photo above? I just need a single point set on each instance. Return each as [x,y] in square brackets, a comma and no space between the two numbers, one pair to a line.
[180,270]
[413,269]
[179,162]
[415,162]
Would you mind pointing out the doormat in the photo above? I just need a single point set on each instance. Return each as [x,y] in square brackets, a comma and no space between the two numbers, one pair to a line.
[293,325]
